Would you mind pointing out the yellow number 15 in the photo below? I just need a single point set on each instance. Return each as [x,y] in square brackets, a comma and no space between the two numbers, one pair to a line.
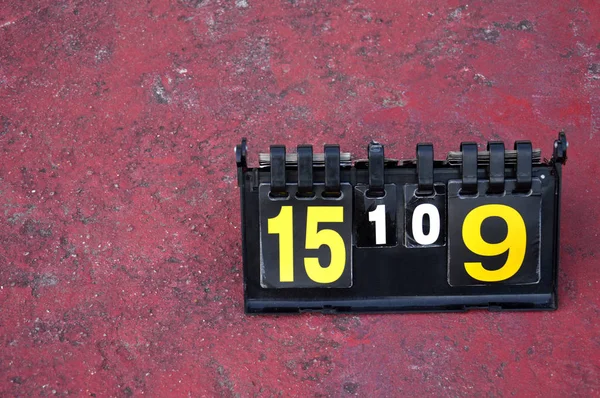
[515,242]
[282,225]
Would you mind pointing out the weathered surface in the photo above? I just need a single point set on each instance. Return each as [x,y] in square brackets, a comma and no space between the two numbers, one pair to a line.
[120,259]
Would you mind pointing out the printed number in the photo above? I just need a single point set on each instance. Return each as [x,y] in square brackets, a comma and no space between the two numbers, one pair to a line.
[515,242]
[434,224]
[282,225]
[328,237]
[378,217]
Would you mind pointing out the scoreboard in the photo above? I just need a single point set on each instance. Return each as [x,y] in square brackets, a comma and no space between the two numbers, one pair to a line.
[480,229]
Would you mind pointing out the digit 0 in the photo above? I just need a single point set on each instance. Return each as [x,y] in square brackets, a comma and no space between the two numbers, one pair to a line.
[434,224]
[515,242]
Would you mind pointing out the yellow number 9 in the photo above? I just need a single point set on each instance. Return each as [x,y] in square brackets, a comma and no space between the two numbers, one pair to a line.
[515,242]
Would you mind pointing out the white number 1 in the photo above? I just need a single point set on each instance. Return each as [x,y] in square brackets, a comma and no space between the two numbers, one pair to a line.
[378,217]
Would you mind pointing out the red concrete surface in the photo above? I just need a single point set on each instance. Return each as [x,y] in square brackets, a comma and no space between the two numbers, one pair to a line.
[120,262]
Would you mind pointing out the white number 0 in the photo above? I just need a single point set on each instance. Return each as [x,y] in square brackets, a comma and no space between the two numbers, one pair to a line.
[378,217]
[434,224]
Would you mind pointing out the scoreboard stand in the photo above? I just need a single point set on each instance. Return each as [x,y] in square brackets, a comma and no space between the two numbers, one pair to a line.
[478,230]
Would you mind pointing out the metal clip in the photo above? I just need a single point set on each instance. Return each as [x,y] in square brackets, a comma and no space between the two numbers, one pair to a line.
[305,170]
[332,170]
[496,166]
[425,168]
[469,168]
[278,170]
[524,165]
[376,169]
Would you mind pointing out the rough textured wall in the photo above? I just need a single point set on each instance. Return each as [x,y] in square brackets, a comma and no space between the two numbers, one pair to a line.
[120,254]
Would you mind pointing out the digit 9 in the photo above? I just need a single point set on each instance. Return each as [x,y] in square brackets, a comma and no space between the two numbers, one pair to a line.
[515,242]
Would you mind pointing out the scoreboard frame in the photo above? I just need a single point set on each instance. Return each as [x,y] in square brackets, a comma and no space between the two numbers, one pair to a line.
[478,230]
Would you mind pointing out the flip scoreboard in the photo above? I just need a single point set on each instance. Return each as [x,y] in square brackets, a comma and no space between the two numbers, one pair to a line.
[479,229]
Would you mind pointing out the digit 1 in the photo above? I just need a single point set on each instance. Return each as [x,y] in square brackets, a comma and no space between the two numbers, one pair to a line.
[378,217]
[434,224]
[282,225]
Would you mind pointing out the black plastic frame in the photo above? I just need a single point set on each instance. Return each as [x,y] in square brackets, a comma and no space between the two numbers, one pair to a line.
[380,289]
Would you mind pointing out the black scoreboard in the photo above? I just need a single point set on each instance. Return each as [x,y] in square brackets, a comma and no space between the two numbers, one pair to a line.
[479,229]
